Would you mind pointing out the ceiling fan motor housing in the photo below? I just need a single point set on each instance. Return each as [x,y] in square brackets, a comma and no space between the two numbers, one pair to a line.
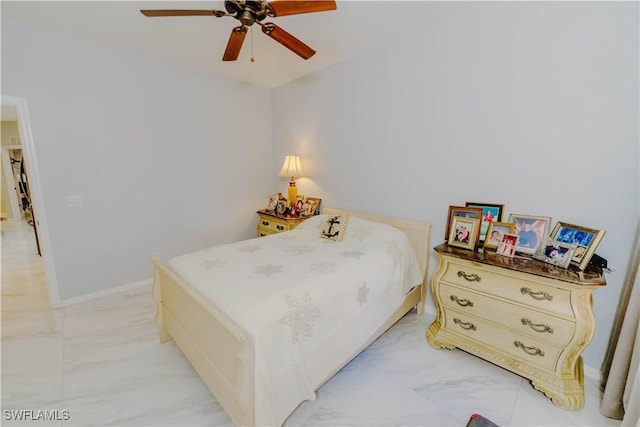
[247,12]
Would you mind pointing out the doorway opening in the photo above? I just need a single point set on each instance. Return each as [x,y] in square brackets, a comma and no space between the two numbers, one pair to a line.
[24,225]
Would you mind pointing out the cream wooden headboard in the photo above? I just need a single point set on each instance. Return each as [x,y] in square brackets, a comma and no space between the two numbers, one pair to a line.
[418,233]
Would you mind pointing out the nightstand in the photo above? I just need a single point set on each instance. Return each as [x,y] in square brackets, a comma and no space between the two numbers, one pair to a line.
[270,223]
[524,315]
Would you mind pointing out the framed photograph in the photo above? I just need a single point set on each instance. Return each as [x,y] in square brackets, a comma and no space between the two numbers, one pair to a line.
[311,206]
[460,211]
[531,230]
[272,201]
[507,246]
[464,232]
[556,253]
[495,232]
[296,209]
[281,207]
[491,212]
[585,239]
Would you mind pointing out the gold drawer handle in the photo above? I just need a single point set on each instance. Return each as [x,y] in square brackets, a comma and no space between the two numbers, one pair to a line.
[538,327]
[265,222]
[469,277]
[464,325]
[536,295]
[533,351]
[463,302]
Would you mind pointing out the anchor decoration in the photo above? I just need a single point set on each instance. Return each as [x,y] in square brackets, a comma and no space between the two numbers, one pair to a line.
[334,227]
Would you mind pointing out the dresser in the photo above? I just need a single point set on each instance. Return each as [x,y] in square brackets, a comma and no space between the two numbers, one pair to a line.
[524,315]
[270,223]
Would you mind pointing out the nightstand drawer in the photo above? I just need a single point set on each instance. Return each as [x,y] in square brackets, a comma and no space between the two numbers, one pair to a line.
[270,223]
[534,294]
[273,225]
[490,337]
[519,318]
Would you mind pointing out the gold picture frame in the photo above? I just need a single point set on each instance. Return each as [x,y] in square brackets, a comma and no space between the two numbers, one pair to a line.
[495,232]
[464,232]
[460,211]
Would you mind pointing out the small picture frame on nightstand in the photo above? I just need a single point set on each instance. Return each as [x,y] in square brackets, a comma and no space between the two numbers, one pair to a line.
[272,202]
[311,206]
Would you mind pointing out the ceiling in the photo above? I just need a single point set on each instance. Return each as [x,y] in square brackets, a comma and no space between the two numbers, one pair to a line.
[199,41]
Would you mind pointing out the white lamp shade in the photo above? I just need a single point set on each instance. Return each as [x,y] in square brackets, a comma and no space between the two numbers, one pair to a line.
[292,167]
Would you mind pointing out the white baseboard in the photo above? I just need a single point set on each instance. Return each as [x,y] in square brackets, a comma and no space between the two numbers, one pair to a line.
[589,371]
[110,291]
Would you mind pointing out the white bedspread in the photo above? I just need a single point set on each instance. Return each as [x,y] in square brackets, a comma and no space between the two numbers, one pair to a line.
[308,302]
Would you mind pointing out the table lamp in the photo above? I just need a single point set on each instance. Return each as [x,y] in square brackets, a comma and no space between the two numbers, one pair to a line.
[292,169]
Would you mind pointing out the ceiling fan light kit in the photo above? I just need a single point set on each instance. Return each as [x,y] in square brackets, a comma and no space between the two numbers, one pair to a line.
[250,12]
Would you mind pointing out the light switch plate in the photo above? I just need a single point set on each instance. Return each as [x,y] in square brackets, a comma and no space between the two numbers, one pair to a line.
[74,201]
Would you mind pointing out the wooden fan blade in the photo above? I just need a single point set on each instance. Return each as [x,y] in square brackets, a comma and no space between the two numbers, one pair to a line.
[235,43]
[293,7]
[287,40]
[176,12]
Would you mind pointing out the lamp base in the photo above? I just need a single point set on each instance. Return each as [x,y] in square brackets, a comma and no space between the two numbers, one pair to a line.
[293,195]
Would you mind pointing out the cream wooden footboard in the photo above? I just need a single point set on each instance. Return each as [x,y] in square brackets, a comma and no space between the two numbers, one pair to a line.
[222,352]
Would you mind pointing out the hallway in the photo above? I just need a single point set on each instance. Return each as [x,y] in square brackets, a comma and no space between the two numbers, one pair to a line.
[24,286]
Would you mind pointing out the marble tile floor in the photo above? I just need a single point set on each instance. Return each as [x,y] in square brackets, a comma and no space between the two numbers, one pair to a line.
[102,362]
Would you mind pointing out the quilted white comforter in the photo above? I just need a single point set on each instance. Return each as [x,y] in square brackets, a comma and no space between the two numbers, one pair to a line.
[308,302]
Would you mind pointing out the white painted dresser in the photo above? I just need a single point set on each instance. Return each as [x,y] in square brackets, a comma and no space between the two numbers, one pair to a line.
[529,317]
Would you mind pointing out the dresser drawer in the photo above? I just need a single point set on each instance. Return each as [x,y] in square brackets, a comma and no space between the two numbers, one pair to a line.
[526,292]
[519,318]
[485,334]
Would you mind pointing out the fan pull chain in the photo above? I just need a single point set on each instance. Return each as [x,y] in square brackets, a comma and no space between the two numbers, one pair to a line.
[252,58]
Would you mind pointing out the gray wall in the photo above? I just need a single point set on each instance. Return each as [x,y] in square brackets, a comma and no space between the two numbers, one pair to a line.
[530,104]
[153,149]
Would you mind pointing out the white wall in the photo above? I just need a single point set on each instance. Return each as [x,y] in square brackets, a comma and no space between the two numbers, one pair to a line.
[530,104]
[155,151]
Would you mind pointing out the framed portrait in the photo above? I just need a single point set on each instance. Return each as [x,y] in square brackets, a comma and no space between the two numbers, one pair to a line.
[556,253]
[495,232]
[310,206]
[460,211]
[531,230]
[464,232]
[281,207]
[507,246]
[585,239]
[272,201]
[491,212]
[296,209]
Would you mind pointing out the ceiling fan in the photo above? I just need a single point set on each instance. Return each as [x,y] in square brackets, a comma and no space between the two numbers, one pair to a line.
[250,12]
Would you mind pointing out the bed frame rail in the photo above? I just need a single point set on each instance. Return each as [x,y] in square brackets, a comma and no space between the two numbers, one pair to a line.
[220,351]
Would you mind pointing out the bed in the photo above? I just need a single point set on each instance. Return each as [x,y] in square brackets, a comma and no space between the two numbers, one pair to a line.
[264,346]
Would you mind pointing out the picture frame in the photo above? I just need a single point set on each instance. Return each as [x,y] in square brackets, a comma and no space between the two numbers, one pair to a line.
[495,232]
[556,253]
[296,209]
[460,211]
[311,206]
[508,244]
[491,212]
[585,239]
[531,230]
[464,232]
[281,207]
[272,202]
